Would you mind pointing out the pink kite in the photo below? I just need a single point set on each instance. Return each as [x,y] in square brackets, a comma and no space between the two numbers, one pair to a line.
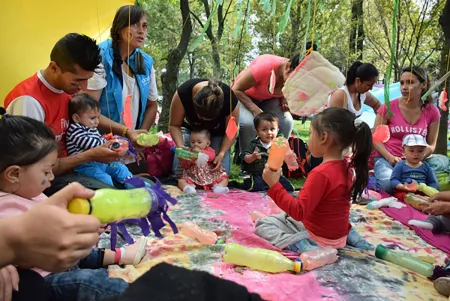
[443,99]
[126,114]
[381,134]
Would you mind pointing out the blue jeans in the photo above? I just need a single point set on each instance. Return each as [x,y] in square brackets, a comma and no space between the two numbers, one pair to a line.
[216,143]
[105,172]
[87,281]
[383,171]
[247,129]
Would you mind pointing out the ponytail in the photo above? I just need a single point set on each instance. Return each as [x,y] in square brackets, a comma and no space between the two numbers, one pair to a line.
[363,71]
[361,147]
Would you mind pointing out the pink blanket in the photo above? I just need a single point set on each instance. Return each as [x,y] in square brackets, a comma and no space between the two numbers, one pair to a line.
[403,215]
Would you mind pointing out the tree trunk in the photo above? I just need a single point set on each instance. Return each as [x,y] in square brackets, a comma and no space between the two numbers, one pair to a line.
[445,21]
[217,71]
[191,58]
[170,77]
[357,31]
[441,146]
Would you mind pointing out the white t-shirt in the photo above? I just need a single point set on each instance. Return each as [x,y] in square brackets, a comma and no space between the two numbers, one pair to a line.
[29,106]
[350,106]
[129,86]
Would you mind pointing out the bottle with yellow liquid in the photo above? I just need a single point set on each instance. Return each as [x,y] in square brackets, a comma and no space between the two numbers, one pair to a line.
[260,259]
[428,190]
[112,205]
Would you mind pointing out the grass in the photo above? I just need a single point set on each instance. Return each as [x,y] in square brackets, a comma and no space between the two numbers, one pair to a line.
[301,130]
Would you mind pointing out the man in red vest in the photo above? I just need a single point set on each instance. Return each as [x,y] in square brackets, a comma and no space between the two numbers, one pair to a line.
[45,97]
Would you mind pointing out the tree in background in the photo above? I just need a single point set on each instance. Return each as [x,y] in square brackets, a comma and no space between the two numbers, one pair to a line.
[357,32]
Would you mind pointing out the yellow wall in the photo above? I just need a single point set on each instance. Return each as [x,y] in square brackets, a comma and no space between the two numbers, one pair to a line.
[30,28]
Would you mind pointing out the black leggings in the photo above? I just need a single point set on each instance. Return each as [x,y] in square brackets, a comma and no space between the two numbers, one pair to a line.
[32,286]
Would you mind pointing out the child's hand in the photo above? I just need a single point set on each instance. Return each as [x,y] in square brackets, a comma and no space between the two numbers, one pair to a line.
[402,187]
[9,282]
[271,177]
[256,156]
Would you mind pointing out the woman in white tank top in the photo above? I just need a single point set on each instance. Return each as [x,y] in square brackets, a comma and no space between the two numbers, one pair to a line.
[360,79]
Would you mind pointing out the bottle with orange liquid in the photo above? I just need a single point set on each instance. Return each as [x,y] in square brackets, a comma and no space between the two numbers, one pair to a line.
[277,153]
[291,160]
[255,214]
[193,231]
[315,259]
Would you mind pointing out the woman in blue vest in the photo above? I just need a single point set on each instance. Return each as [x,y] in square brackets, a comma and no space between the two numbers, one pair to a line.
[126,72]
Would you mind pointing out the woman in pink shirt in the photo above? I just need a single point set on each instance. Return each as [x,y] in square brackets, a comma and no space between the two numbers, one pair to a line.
[411,116]
[258,89]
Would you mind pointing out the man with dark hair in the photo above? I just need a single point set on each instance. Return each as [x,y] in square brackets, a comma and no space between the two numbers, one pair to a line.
[45,97]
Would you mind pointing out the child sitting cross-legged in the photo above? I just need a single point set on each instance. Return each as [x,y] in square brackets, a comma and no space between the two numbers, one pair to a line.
[255,157]
[83,134]
[412,168]
[319,217]
[27,157]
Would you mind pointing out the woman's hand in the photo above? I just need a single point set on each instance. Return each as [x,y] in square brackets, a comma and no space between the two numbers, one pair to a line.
[393,160]
[9,281]
[284,104]
[132,135]
[437,208]
[218,161]
[271,177]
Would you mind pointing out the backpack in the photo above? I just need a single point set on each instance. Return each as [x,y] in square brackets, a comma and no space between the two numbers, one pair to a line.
[160,158]
[305,160]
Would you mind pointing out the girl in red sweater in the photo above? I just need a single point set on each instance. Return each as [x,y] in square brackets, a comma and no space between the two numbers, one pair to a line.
[320,215]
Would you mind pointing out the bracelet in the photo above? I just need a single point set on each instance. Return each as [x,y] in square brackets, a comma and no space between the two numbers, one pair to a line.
[124,132]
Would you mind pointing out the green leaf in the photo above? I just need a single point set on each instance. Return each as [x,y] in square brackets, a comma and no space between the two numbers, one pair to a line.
[285,18]
[237,28]
[266,5]
[274,7]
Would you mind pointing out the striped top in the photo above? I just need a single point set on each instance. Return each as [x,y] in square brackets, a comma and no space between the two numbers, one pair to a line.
[80,138]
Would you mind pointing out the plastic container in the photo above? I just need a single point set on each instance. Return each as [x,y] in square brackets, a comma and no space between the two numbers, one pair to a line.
[406,261]
[255,214]
[416,201]
[193,231]
[381,203]
[315,259]
[429,191]
[200,158]
[259,259]
[411,184]
[112,205]
[291,160]
[277,153]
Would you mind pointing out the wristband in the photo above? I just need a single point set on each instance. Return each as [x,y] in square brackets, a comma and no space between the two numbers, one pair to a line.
[124,132]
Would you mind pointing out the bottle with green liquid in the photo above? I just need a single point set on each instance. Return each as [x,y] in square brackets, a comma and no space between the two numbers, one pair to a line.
[406,261]
[200,158]
[112,205]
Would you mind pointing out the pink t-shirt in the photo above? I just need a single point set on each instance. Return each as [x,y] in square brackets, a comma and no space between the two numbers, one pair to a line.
[399,127]
[12,205]
[261,68]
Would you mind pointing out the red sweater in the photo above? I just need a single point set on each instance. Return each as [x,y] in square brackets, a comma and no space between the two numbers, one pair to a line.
[323,204]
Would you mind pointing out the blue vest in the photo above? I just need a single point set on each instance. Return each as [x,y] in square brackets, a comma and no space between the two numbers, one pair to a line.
[112,93]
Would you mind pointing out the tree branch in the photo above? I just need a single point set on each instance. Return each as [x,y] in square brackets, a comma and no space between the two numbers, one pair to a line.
[196,18]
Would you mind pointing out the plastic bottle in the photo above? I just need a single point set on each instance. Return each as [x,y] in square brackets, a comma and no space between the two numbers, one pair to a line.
[255,214]
[406,261]
[193,231]
[291,160]
[112,205]
[277,153]
[200,158]
[429,191]
[315,259]
[274,209]
[259,259]
[381,203]
[411,184]
[416,201]
[147,139]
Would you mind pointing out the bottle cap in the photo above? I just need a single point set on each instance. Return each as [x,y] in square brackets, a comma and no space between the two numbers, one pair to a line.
[409,180]
[298,265]
[172,149]
[381,252]
[80,206]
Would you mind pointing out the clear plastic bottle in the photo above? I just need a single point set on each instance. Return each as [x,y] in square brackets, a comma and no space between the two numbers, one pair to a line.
[255,214]
[277,153]
[381,203]
[200,158]
[259,259]
[416,201]
[428,190]
[411,184]
[315,259]
[273,207]
[147,139]
[291,160]
[112,205]
[406,261]
[193,231]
